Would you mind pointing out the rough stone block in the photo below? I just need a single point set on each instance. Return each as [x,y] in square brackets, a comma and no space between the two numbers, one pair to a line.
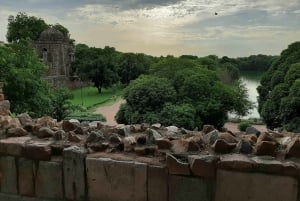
[49,180]
[116,180]
[191,189]
[204,166]
[177,167]
[74,173]
[236,162]
[2,97]
[8,172]
[157,183]
[5,104]
[37,150]
[26,177]
[237,186]
[13,146]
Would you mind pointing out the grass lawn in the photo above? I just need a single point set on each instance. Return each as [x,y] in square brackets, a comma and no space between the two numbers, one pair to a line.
[89,97]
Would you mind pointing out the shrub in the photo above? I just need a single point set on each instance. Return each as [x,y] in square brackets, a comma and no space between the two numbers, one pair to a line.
[244,125]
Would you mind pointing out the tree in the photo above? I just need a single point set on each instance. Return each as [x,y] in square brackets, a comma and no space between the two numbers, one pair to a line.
[279,104]
[24,27]
[61,105]
[62,29]
[181,92]
[131,66]
[21,72]
[98,65]
[145,98]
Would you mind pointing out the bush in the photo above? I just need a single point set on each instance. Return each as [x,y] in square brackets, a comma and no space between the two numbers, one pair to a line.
[244,125]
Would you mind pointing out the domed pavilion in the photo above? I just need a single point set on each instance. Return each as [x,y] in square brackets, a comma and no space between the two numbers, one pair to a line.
[57,52]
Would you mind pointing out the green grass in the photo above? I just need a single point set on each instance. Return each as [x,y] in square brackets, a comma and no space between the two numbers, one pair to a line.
[86,116]
[89,97]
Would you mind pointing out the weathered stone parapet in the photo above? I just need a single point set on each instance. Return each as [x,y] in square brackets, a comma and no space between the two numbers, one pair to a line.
[74,173]
[124,180]
[237,186]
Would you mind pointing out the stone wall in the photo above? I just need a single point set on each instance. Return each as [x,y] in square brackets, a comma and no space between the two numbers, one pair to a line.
[78,176]
[44,160]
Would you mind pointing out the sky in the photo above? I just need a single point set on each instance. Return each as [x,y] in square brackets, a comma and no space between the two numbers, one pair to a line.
[170,27]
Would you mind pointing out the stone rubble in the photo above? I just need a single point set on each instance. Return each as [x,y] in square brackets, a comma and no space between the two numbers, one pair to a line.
[184,152]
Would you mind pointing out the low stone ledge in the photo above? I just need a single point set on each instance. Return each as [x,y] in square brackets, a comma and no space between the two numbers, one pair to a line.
[38,150]
[74,173]
[13,146]
[49,180]
[236,162]
[177,167]
[203,166]
[157,187]
[237,186]
[9,182]
[116,180]
[192,189]
[26,177]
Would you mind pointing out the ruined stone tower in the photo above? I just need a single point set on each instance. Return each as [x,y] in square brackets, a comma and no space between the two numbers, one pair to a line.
[56,51]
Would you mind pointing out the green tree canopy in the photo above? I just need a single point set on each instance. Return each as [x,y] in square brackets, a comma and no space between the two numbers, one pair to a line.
[183,93]
[279,90]
[23,27]
[98,65]
[21,71]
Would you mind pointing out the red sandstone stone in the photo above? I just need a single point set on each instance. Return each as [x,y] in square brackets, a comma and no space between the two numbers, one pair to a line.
[177,167]
[227,137]
[13,146]
[2,97]
[16,132]
[266,148]
[203,166]
[73,137]
[163,143]
[268,164]
[221,146]
[293,149]
[236,162]
[207,129]
[45,132]
[47,122]
[38,150]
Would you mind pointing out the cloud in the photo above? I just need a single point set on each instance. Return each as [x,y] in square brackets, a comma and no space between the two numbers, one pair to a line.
[170,26]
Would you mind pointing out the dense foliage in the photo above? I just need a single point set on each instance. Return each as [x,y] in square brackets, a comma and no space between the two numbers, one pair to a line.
[105,67]
[279,102]
[21,72]
[181,92]
[24,27]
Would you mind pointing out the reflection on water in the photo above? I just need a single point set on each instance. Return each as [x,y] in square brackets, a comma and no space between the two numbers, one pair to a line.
[251,85]
[252,81]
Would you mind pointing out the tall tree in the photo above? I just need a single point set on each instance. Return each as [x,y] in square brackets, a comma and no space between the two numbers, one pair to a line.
[98,65]
[278,101]
[23,27]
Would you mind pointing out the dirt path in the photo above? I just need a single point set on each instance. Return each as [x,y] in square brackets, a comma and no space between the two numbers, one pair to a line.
[110,111]
[233,127]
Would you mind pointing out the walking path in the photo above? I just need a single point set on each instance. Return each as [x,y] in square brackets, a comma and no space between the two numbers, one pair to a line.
[110,111]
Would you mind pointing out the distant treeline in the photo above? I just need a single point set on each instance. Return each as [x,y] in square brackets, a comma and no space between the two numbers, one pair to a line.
[258,62]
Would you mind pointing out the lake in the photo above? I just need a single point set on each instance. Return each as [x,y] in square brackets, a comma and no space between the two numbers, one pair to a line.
[252,81]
